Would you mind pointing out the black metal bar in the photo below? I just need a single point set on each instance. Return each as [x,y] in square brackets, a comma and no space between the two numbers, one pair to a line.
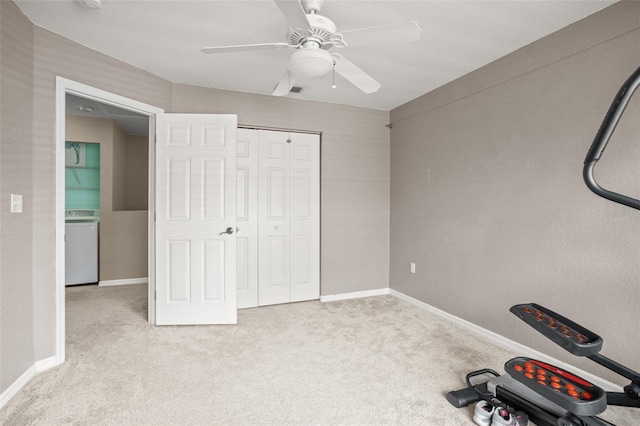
[480,373]
[602,138]
[615,366]
[621,400]
[587,174]
[592,421]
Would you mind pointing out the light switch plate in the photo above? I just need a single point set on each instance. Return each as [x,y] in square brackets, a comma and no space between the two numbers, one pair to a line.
[16,203]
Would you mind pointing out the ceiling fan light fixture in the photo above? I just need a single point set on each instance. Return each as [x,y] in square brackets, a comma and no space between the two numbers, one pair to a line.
[310,63]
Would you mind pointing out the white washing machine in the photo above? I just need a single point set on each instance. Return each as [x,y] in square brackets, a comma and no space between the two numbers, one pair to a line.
[81,252]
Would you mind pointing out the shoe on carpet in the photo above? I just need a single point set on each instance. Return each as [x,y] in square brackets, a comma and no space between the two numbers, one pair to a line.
[506,416]
[483,413]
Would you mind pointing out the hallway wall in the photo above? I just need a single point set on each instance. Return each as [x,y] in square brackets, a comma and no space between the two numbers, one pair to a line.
[16,231]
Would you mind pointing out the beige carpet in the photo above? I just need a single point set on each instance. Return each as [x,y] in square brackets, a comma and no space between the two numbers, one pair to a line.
[357,362]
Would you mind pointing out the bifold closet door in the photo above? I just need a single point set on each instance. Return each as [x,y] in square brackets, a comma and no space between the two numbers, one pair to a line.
[289,217]
[247,218]
[304,224]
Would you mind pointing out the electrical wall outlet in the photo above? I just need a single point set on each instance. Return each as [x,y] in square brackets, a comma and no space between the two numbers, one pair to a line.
[16,203]
[413,268]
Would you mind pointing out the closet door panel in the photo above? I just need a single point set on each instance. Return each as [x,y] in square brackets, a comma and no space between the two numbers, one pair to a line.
[277,185]
[305,217]
[247,218]
[274,247]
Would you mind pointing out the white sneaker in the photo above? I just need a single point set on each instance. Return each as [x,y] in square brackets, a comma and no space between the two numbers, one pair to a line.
[503,416]
[484,413]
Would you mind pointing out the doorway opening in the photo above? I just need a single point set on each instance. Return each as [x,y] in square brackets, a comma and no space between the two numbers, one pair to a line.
[109,178]
[68,91]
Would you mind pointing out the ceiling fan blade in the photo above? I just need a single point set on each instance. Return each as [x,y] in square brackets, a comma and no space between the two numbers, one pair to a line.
[393,33]
[245,47]
[294,12]
[285,84]
[355,75]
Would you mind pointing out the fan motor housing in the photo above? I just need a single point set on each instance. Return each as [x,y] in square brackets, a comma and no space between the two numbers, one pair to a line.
[322,28]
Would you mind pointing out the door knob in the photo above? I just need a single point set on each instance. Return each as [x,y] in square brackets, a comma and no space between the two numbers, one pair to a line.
[229,231]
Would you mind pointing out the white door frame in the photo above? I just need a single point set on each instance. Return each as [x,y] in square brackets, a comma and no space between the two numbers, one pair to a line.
[64,86]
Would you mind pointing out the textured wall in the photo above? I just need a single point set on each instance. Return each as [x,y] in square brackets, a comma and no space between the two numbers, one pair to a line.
[16,233]
[487,195]
[137,172]
[119,168]
[354,172]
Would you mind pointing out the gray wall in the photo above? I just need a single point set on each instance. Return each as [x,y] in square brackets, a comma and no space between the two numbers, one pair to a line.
[16,232]
[355,174]
[487,195]
[137,181]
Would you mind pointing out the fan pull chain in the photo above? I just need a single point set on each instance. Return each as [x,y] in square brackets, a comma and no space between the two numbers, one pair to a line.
[333,75]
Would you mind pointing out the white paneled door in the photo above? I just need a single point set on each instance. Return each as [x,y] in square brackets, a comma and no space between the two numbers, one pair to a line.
[288,217]
[274,242]
[196,219]
[304,223]
[278,217]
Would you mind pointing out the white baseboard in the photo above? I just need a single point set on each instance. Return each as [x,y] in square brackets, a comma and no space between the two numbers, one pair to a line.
[36,368]
[45,364]
[127,281]
[354,295]
[504,342]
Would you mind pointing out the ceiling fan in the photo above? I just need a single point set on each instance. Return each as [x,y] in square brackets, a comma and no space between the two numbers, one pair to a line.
[312,35]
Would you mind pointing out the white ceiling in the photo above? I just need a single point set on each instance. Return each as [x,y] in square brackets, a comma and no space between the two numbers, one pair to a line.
[164,37]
